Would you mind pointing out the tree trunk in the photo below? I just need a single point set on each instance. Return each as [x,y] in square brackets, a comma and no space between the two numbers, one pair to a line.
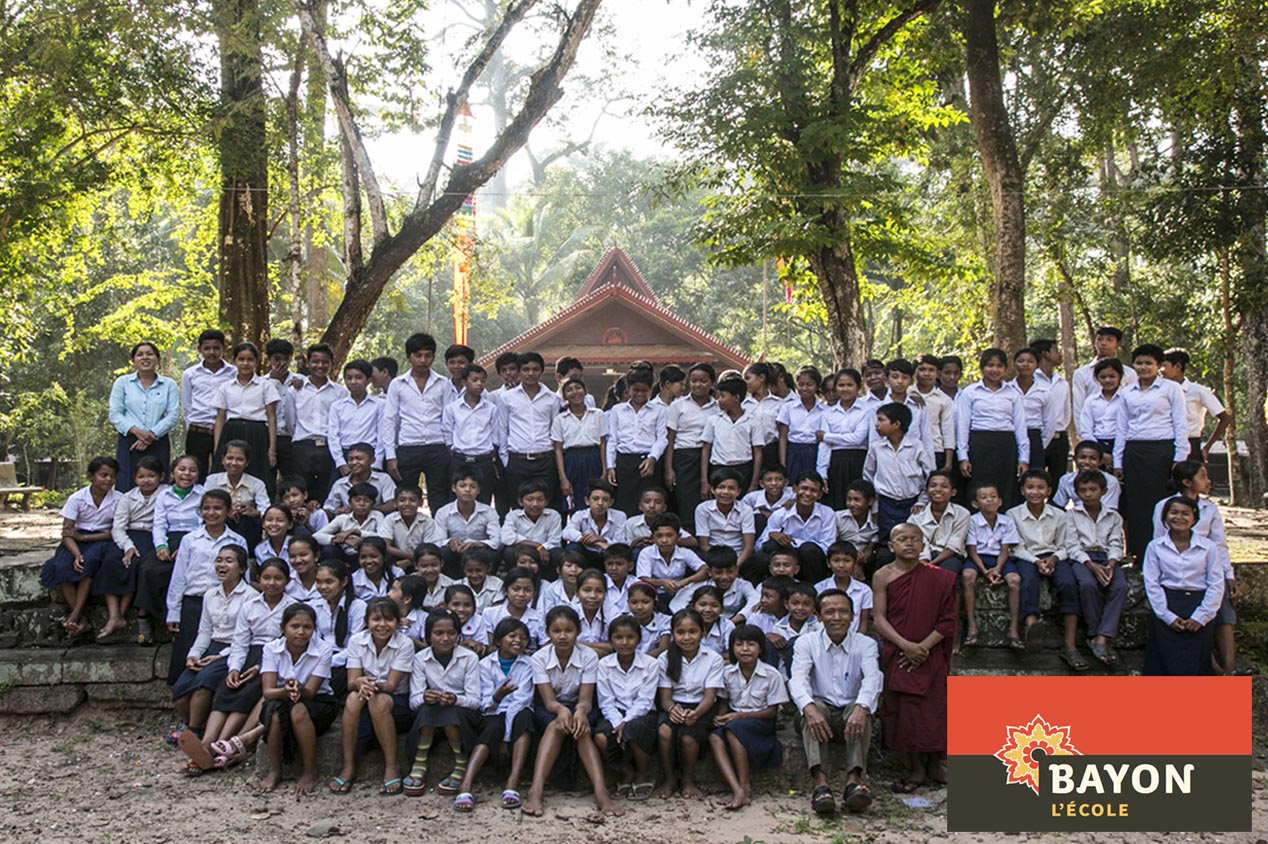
[295,257]
[1230,389]
[1252,259]
[242,268]
[314,148]
[839,285]
[989,116]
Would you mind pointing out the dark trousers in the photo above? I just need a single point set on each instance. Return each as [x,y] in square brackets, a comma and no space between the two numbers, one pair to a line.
[285,458]
[312,463]
[431,462]
[891,512]
[1057,455]
[485,466]
[1195,449]
[810,557]
[687,485]
[629,483]
[200,444]
[520,468]
[127,457]
[1102,606]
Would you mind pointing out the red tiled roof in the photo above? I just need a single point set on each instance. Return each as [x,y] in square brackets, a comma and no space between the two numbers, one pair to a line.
[605,273]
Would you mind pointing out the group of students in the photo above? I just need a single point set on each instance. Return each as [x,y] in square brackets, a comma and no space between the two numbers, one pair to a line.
[671,571]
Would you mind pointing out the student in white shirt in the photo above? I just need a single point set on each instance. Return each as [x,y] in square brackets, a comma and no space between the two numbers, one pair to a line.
[844,560]
[808,528]
[199,385]
[533,523]
[407,527]
[176,513]
[1058,415]
[690,679]
[847,430]
[990,429]
[444,692]
[1098,419]
[855,523]
[989,545]
[626,691]
[428,565]
[1044,530]
[380,661]
[131,531]
[358,460]
[724,573]
[1198,401]
[752,692]
[246,410]
[763,405]
[944,525]
[1084,382]
[249,494]
[465,521]
[478,563]
[314,396]
[655,625]
[685,421]
[798,424]
[665,564]
[1088,457]
[374,575]
[724,520]
[717,629]
[1184,583]
[302,554]
[636,430]
[897,465]
[899,377]
[519,593]
[940,409]
[593,529]
[528,410]
[732,438]
[565,675]
[410,427]
[472,427]
[355,417]
[577,434]
[340,613]
[1095,550]
[343,534]
[1036,397]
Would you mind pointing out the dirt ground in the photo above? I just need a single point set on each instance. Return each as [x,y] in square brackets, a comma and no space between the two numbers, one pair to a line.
[104,776]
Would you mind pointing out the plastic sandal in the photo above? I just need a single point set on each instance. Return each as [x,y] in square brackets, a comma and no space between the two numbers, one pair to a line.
[1075,660]
[511,799]
[415,786]
[192,746]
[340,786]
[464,802]
[856,797]
[391,788]
[822,801]
[642,790]
[449,785]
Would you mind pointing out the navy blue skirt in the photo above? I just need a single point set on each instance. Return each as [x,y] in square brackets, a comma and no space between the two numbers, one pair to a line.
[123,452]
[114,578]
[402,718]
[759,740]
[208,678]
[581,466]
[845,466]
[1172,654]
[244,698]
[61,567]
[698,731]
[802,457]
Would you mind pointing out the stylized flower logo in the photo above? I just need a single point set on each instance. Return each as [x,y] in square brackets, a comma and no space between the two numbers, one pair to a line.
[1017,754]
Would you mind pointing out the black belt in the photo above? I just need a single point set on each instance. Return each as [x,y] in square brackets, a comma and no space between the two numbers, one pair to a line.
[474,458]
[200,429]
[534,455]
[319,442]
[634,454]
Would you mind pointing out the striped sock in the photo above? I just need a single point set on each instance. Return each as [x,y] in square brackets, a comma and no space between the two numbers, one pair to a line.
[459,761]
[419,769]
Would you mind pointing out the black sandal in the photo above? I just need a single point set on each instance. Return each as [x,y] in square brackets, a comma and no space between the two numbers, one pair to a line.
[822,801]
[857,797]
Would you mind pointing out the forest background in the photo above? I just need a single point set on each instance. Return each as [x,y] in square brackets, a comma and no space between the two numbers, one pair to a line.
[812,181]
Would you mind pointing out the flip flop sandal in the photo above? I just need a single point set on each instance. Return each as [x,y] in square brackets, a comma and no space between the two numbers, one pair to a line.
[391,788]
[450,785]
[856,797]
[414,786]
[464,802]
[1099,651]
[625,789]
[1111,655]
[511,799]
[970,641]
[1016,643]
[822,801]
[1075,660]
[642,790]
[192,746]
[904,786]
[340,786]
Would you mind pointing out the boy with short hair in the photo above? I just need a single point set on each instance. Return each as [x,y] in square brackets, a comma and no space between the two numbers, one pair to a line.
[507,366]
[874,380]
[341,537]
[992,536]
[1083,384]
[199,385]
[527,411]
[769,608]
[808,527]
[1095,547]
[315,394]
[1198,401]
[940,410]
[1056,409]
[897,465]
[406,528]
[598,525]
[732,439]
[855,524]
[665,564]
[636,428]
[472,429]
[382,371]
[279,353]
[360,458]
[724,573]
[1089,456]
[944,525]
[457,358]
[774,492]
[569,367]
[354,418]
[799,602]
[724,521]
[899,377]
[843,560]
[465,522]
[618,568]
[410,427]
[533,523]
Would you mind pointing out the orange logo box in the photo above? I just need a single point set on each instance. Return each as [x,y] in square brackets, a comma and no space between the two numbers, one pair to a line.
[1113,754]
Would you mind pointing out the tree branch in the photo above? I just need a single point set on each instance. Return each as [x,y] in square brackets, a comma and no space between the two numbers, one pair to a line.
[1034,139]
[882,37]
[348,129]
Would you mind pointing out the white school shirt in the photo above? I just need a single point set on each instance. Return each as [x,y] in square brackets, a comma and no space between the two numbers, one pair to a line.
[581,669]
[1103,534]
[526,421]
[990,540]
[365,589]
[595,631]
[534,619]
[407,537]
[249,490]
[920,429]
[764,689]
[296,590]
[487,595]
[476,629]
[1035,405]
[1099,417]
[1198,401]
[134,511]
[312,411]
[1155,412]
[1045,533]
[732,441]
[858,535]
[763,621]
[978,408]
[326,618]
[636,528]
[820,527]
[1195,569]
[740,594]
[898,472]
[696,677]
[860,595]
[435,596]
[581,522]
[635,430]
[726,529]
[315,661]
[757,500]
[492,679]
[1084,384]
[1210,526]
[687,419]
[652,631]
[194,571]
[481,527]
[349,423]
[257,624]
[286,407]
[945,534]
[651,563]
[1057,408]
[1065,494]
[338,497]
[173,514]
[587,431]
[247,401]
[412,416]
[473,431]
[264,551]
[626,695]
[803,425]
[88,516]
[220,616]
[553,595]
[416,623]
[397,655]
[546,531]
[841,674]
[765,415]
[461,677]
[616,595]
[718,637]
[199,386]
[940,410]
[372,526]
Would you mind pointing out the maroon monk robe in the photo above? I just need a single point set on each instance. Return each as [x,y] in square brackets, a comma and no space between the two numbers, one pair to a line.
[914,705]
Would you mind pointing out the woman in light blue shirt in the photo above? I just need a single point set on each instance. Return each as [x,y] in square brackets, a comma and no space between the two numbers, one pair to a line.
[144,407]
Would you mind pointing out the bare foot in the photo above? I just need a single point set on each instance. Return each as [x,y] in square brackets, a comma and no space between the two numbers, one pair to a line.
[306,783]
[111,627]
[666,790]
[609,808]
[690,791]
[269,783]
[532,807]
[738,801]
